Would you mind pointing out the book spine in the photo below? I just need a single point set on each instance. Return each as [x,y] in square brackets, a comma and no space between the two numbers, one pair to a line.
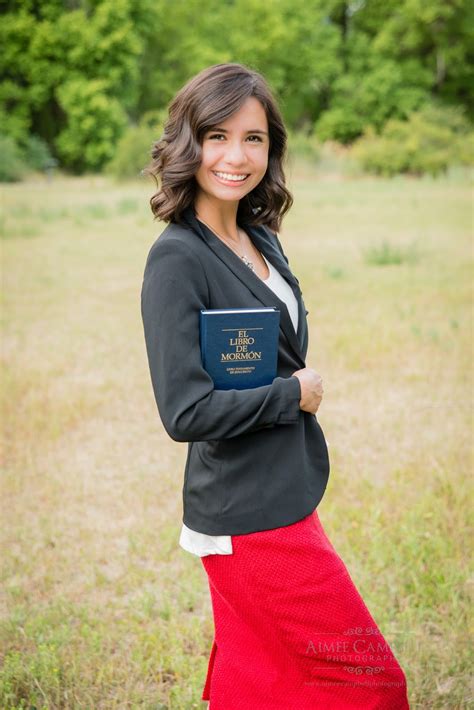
[202,338]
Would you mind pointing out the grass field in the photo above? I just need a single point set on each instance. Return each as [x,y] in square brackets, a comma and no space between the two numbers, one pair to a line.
[100,607]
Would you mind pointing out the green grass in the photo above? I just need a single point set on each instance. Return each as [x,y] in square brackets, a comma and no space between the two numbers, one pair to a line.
[100,607]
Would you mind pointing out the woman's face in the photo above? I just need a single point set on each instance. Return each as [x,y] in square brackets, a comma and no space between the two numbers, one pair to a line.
[236,148]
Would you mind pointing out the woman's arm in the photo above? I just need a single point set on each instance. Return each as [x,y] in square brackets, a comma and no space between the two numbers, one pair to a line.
[174,290]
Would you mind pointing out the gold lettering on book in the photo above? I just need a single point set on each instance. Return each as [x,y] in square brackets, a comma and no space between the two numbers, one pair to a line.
[241,351]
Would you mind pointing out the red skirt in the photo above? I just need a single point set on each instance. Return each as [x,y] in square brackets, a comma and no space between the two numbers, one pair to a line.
[291,630]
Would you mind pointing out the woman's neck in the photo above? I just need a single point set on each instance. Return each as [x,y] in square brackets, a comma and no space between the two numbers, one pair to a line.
[221,217]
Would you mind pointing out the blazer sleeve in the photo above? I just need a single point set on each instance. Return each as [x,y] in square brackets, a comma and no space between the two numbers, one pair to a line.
[174,290]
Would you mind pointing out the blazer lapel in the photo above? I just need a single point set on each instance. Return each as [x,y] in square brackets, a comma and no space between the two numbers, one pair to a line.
[298,340]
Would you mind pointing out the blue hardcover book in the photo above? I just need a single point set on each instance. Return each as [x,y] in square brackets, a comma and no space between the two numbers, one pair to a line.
[239,346]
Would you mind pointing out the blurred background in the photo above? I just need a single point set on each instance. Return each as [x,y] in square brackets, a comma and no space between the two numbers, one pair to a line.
[99,606]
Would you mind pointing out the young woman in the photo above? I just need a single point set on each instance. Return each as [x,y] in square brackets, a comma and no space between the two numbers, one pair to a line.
[291,630]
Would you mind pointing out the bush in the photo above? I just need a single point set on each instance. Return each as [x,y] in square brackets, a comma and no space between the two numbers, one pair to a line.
[37,154]
[431,140]
[339,124]
[12,166]
[133,151]
[302,145]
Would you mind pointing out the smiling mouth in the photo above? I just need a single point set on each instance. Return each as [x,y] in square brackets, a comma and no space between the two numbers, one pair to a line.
[230,178]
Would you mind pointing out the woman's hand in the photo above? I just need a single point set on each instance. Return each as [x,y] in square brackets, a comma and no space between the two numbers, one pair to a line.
[311,389]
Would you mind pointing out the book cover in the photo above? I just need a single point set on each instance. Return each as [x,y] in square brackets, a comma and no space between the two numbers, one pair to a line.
[239,346]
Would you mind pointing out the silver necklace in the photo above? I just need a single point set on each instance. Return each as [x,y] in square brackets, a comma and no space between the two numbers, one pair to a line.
[244,257]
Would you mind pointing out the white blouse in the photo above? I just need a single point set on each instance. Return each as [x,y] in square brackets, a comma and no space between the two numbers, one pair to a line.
[199,543]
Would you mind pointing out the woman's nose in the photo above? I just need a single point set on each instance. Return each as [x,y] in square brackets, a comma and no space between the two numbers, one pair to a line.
[235,153]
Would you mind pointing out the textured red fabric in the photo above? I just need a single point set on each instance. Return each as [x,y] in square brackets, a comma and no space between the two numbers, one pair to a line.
[292,631]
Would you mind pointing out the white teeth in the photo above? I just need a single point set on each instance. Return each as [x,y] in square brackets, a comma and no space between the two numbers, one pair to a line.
[227,176]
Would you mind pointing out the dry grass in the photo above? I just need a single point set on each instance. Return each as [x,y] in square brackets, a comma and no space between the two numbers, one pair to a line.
[100,607]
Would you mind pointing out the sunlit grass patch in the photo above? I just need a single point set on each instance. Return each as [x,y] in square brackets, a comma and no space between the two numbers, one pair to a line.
[128,205]
[96,210]
[387,253]
[41,407]
[99,606]
[52,214]
[22,229]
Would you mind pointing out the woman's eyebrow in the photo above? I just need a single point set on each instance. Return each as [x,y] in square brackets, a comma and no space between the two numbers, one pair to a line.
[224,130]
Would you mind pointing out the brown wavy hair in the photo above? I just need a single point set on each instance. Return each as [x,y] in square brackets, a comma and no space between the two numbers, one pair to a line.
[205,101]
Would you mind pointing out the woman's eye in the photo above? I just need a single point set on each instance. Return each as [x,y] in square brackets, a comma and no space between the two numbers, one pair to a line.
[221,135]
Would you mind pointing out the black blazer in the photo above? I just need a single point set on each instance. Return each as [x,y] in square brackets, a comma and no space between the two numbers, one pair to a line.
[255,460]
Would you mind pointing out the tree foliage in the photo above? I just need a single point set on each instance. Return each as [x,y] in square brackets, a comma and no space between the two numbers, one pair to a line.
[77,73]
